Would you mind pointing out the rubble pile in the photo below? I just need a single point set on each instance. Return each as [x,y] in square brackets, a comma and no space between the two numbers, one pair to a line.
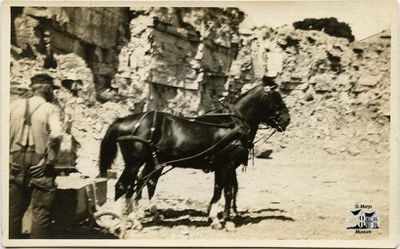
[88,127]
[81,44]
[338,92]
[85,119]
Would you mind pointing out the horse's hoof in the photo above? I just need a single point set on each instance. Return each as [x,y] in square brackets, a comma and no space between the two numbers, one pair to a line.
[158,217]
[216,225]
[138,226]
[140,214]
[153,209]
[235,214]
[230,226]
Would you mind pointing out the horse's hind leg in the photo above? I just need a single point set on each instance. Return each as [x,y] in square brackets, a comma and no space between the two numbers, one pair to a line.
[127,183]
[151,187]
[148,168]
[234,191]
[124,185]
[149,176]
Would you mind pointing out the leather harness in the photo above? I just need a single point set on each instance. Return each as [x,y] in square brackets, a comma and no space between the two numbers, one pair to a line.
[238,133]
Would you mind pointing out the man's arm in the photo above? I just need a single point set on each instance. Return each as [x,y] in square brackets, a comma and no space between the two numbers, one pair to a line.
[55,134]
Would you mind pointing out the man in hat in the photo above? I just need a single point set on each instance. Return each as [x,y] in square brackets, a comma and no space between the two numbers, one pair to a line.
[35,138]
[273,58]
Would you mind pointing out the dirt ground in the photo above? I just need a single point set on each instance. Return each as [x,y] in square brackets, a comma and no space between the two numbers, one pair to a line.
[279,198]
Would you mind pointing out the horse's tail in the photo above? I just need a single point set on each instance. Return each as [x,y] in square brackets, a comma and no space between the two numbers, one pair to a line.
[108,149]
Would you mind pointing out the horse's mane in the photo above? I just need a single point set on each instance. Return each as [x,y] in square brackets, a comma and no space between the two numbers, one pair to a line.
[243,95]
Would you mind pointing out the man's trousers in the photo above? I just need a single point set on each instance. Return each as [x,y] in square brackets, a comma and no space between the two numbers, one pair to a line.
[41,201]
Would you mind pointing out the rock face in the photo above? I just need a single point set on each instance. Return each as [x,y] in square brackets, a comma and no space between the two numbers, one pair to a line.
[178,59]
[115,61]
[93,34]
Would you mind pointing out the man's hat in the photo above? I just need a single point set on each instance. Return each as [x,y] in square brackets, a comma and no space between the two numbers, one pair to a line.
[43,79]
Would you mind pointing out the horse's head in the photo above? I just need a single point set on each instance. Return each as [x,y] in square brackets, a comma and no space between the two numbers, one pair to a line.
[275,113]
[265,105]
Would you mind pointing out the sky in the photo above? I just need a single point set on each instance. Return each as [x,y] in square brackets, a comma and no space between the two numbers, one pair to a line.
[366,17]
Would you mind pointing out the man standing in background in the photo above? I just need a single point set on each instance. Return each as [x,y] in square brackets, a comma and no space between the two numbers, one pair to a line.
[35,138]
[273,61]
[267,63]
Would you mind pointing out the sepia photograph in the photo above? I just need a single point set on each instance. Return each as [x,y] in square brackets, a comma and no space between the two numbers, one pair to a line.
[243,123]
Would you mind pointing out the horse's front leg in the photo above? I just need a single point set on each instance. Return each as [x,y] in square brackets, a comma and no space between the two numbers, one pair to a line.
[228,192]
[212,210]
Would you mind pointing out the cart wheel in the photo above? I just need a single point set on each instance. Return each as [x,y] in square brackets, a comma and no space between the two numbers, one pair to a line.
[112,222]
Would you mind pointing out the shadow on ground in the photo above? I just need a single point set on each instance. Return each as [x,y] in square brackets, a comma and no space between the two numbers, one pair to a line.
[196,218]
[171,218]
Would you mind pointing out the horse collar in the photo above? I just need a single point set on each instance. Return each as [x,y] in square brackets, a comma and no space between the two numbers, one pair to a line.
[240,121]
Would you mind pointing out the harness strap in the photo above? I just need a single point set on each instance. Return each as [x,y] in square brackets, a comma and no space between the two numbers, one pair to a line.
[152,129]
[229,138]
[132,137]
[226,125]
[138,124]
[215,115]
[236,133]
[27,115]
[26,135]
[26,143]
[137,138]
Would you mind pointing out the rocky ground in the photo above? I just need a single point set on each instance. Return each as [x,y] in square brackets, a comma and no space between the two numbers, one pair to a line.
[285,198]
[280,198]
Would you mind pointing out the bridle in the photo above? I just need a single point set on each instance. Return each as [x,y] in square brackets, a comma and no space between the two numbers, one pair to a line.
[272,120]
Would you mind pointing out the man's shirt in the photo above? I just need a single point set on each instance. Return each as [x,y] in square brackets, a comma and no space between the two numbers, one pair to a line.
[273,57]
[46,123]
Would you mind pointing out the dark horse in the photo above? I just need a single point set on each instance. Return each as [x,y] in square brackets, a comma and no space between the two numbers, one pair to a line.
[210,143]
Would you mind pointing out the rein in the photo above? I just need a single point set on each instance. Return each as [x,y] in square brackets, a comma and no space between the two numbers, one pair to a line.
[251,149]
[224,125]
[263,136]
